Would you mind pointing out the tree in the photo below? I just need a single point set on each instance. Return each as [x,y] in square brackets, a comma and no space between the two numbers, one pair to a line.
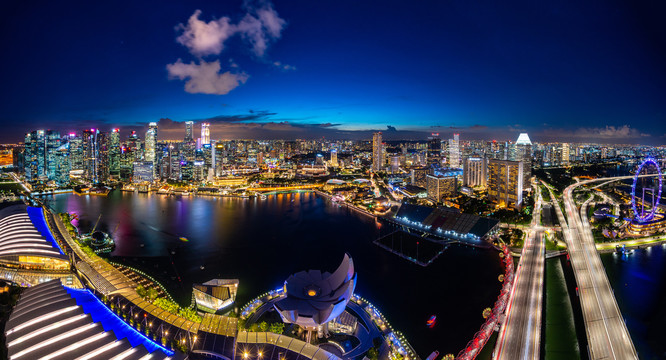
[277,328]
[263,326]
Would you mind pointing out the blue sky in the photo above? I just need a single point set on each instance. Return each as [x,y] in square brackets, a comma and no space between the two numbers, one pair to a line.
[338,69]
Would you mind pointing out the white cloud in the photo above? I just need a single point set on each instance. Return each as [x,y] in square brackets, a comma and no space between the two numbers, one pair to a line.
[205,78]
[203,38]
[624,131]
[259,27]
[284,67]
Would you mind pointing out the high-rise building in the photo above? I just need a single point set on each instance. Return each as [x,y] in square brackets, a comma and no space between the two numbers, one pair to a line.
[95,156]
[454,151]
[205,133]
[523,148]
[377,152]
[394,161]
[565,154]
[505,182]
[418,176]
[75,152]
[434,145]
[52,139]
[151,142]
[189,131]
[114,154]
[34,155]
[475,171]
[334,158]
[62,165]
[441,187]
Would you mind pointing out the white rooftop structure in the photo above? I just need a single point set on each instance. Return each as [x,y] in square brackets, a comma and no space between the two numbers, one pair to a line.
[523,139]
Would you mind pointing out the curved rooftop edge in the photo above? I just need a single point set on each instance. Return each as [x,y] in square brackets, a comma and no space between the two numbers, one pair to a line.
[23,232]
[53,322]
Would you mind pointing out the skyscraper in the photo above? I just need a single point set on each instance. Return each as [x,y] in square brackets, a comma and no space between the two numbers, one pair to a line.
[475,171]
[334,158]
[505,182]
[90,153]
[189,131]
[441,186]
[565,154]
[524,153]
[114,154]
[151,142]
[377,152]
[205,133]
[434,145]
[52,139]
[454,151]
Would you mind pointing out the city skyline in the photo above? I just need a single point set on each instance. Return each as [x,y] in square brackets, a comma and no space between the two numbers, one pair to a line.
[575,73]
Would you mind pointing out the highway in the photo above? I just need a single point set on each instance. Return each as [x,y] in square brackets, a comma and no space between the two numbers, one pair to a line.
[607,334]
[520,334]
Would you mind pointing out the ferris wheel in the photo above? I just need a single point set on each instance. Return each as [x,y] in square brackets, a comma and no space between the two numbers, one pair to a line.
[646,190]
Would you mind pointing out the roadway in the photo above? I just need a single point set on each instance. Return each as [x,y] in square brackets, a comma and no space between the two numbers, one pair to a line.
[520,335]
[607,334]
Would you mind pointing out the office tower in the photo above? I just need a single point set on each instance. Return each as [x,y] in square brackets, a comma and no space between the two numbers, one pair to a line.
[395,163]
[90,152]
[189,131]
[523,150]
[75,152]
[565,154]
[454,151]
[474,171]
[62,165]
[114,154]
[334,158]
[434,149]
[505,182]
[418,176]
[126,165]
[102,157]
[151,142]
[205,134]
[52,139]
[441,186]
[134,146]
[377,152]
[34,146]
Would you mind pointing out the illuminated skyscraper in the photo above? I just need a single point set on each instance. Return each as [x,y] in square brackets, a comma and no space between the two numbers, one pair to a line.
[475,171]
[454,151]
[524,153]
[114,154]
[434,145]
[377,152]
[151,142]
[441,187]
[505,182]
[334,158]
[189,131]
[565,154]
[205,133]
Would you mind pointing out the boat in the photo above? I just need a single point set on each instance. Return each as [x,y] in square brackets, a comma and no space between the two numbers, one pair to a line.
[433,355]
[431,322]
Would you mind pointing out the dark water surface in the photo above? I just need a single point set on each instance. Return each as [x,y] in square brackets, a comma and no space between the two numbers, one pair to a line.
[639,284]
[261,242]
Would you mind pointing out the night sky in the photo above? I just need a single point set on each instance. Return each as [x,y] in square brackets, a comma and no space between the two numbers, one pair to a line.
[574,71]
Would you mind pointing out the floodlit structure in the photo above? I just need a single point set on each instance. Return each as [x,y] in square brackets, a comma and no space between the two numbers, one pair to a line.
[505,182]
[51,321]
[205,133]
[215,294]
[377,152]
[314,298]
[475,171]
[454,151]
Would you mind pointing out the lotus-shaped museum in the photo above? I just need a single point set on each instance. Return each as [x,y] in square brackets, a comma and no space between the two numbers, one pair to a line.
[314,298]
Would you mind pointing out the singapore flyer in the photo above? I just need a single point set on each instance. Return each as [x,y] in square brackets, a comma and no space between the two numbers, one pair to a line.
[646,190]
